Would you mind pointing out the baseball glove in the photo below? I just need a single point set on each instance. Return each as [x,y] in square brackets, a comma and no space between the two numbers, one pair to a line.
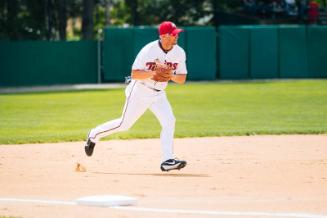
[163,72]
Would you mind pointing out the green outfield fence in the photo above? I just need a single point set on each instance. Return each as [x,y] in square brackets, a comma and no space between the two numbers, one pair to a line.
[256,52]
[30,63]
[227,52]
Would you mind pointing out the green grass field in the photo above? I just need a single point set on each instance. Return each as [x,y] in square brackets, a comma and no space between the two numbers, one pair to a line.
[201,109]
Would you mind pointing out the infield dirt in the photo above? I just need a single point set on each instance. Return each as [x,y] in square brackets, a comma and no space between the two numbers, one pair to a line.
[248,173]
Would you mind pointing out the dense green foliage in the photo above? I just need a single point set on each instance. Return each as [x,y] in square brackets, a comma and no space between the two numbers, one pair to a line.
[201,109]
[50,19]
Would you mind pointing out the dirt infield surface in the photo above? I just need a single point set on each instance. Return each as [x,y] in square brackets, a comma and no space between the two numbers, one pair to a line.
[250,176]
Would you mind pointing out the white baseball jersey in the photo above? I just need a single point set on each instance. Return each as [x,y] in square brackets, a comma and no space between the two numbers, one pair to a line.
[145,60]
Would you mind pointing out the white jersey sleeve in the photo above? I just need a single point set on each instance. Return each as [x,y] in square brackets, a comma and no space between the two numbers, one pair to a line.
[140,60]
[181,68]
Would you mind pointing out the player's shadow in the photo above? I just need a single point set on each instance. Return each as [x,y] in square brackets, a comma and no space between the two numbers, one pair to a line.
[164,174]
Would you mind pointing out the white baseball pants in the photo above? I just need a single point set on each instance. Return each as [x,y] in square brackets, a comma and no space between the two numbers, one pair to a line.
[139,98]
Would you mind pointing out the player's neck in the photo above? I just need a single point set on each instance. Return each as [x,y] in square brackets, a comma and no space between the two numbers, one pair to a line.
[165,48]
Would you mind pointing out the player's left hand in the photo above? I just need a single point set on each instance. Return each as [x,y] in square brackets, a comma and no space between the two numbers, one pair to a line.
[163,73]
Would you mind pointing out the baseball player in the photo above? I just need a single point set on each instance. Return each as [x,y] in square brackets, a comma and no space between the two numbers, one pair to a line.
[155,65]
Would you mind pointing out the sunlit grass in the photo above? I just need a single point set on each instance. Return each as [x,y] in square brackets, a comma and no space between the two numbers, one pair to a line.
[201,109]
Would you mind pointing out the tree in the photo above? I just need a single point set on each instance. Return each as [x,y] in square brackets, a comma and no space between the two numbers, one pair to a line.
[182,12]
[47,19]
[62,19]
[12,19]
[50,19]
[215,12]
[87,22]
[133,5]
[120,13]
[108,5]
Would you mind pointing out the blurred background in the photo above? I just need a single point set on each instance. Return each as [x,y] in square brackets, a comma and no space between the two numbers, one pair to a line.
[85,19]
[55,42]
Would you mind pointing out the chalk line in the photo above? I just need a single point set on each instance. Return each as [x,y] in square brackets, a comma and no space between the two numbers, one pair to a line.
[173,211]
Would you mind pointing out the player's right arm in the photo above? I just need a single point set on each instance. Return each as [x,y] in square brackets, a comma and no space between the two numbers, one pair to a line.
[139,70]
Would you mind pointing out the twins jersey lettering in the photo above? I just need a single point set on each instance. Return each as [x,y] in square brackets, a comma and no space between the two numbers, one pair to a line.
[151,65]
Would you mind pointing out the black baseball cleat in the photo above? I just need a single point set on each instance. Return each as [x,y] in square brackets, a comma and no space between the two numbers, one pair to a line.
[172,164]
[89,147]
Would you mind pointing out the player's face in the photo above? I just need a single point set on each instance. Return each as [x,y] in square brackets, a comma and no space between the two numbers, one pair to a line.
[168,40]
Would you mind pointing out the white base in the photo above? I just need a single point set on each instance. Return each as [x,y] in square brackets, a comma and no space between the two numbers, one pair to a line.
[106,200]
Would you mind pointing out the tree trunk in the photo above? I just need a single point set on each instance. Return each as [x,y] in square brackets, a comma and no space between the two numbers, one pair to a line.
[62,19]
[133,4]
[87,22]
[215,8]
[135,13]
[11,23]
[49,18]
[108,5]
